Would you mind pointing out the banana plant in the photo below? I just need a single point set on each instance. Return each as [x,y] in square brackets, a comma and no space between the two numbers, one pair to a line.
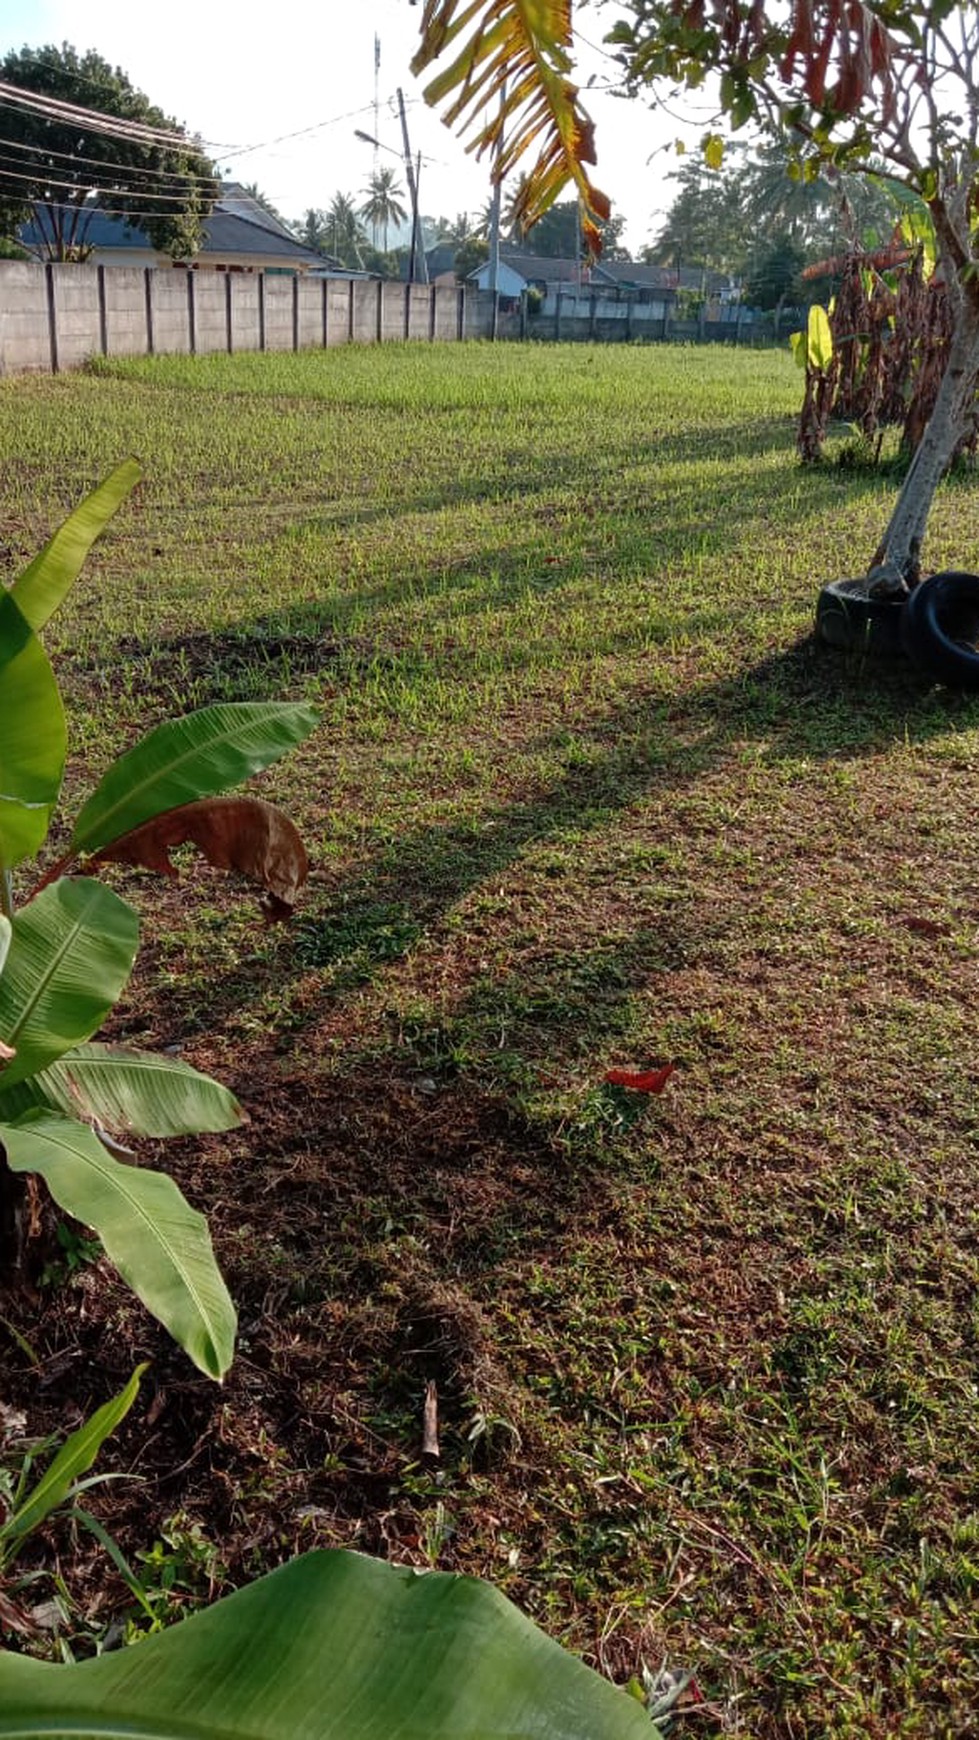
[67,1101]
[332,1646]
[62,1479]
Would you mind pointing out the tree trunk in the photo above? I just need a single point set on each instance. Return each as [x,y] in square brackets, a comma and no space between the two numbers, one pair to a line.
[900,547]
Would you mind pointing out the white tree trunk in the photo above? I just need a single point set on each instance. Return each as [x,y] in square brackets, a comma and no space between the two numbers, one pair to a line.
[954,413]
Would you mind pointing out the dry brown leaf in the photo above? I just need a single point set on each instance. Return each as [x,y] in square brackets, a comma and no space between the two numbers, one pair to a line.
[924,926]
[233,833]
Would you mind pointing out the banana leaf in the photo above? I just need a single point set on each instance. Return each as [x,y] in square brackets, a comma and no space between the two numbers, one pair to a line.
[127,1092]
[33,737]
[333,1646]
[185,759]
[158,1243]
[43,585]
[71,951]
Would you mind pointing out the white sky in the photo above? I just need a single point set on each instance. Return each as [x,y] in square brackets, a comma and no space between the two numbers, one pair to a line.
[243,77]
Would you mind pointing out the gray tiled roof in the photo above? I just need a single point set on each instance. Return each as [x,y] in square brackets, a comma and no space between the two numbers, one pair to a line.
[227,231]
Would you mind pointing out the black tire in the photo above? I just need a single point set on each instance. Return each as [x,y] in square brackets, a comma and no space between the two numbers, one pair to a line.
[940,628]
[853,622]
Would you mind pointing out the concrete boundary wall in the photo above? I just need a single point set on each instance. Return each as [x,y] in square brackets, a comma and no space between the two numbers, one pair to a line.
[55,317]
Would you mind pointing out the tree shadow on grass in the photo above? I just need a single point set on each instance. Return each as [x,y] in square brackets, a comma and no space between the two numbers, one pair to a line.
[806,704]
[356,631]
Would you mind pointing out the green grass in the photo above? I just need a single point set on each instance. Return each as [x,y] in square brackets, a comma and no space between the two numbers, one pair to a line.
[584,794]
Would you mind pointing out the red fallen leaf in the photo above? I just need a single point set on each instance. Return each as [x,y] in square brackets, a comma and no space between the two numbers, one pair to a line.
[924,926]
[641,1081]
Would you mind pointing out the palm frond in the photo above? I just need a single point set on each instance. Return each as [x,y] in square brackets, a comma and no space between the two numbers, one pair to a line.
[508,88]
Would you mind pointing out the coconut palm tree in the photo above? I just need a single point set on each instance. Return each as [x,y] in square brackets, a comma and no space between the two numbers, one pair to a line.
[312,229]
[382,206]
[343,231]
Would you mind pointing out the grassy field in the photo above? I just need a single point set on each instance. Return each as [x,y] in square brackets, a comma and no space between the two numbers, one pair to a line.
[584,795]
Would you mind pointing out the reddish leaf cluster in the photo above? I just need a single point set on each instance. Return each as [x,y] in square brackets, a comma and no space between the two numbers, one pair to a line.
[845,33]
[824,35]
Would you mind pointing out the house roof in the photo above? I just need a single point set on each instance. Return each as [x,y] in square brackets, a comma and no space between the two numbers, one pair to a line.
[237,225]
[635,274]
[542,269]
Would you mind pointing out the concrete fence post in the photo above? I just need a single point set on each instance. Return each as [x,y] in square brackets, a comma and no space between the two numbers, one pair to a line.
[229,331]
[103,313]
[191,311]
[325,283]
[52,315]
[557,315]
[148,286]
[261,310]
[295,311]
[351,311]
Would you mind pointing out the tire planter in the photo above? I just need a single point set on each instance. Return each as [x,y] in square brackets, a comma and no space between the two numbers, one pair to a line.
[847,618]
[940,628]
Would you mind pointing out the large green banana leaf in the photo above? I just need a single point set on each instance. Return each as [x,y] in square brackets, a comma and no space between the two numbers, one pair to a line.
[331,1647]
[43,585]
[71,951]
[185,759]
[127,1092]
[33,737]
[159,1244]
[74,1458]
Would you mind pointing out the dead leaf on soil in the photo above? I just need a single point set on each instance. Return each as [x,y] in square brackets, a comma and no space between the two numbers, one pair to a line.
[924,926]
[14,1619]
[233,833]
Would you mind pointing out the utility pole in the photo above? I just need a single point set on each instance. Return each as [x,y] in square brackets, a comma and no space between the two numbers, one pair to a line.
[496,198]
[417,251]
[376,167]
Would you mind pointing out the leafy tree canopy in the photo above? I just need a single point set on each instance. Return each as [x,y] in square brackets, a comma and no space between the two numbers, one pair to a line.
[60,166]
[469,256]
[723,218]
[560,234]
[772,276]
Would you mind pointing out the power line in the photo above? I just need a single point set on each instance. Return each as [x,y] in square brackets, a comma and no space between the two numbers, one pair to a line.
[92,120]
[101,162]
[67,186]
[266,144]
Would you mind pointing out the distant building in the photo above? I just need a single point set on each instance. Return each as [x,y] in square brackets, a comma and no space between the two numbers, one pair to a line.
[652,290]
[239,236]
